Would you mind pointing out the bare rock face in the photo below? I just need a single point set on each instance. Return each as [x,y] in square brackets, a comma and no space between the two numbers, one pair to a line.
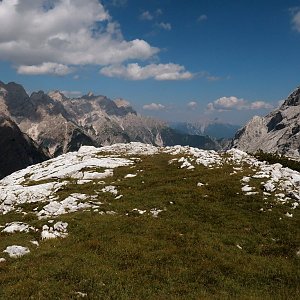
[17,150]
[42,118]
[278,132]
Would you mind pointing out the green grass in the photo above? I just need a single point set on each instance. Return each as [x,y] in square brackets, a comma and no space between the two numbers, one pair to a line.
[188,252]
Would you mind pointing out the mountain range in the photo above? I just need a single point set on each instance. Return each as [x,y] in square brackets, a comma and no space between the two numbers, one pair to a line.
[40,126]
[56,124]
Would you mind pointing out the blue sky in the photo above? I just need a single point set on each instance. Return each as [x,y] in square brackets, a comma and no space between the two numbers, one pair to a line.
[173,59]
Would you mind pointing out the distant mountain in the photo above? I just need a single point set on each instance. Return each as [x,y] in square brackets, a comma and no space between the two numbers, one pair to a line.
[17,150]
[278,132]
[61,124]
[214,129]
[109,122]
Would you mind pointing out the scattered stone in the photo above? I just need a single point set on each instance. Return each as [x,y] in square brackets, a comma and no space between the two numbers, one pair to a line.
[59,230]
[155,212]
[17,227]
[110,189]
[130,175]
[16,251]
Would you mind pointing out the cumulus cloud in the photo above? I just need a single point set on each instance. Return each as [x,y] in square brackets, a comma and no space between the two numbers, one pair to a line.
[156,71]
[154,106]
[45,68]
[202,18]
[146,16]
[296,19]
[165,26]
[234,103]
[49,34]
[192,105]
[260,105]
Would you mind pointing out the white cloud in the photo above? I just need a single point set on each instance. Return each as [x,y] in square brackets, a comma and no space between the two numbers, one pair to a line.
[45,68]
[165,26]
[234,103]
[157,71]
[192,105]
[296,19]
[146,16]
[260,105]
[63,32]
[154,106]
[202,18]
[227,103]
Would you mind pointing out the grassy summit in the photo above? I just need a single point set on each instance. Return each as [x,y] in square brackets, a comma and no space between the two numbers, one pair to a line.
[176,233]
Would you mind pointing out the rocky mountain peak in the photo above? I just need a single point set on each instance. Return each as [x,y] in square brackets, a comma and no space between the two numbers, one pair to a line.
[293,99]
[278,132]
[14,100]
[57,95]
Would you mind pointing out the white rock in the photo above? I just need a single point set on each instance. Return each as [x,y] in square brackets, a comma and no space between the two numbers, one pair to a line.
[155,212]
[130,175]
[247,188]
[59,230]
[141,212]
[110,189]
[36,243]
[16,251]
[269,187]
[17,227]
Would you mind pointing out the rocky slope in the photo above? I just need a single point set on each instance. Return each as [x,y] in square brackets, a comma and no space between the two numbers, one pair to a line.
[17,150]
[278,132]
[78,180]
[60,124]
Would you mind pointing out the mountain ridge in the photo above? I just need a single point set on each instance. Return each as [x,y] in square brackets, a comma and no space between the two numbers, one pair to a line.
[277,132]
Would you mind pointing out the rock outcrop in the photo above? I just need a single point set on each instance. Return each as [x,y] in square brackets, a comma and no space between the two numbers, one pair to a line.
[17,150]
[278,132]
